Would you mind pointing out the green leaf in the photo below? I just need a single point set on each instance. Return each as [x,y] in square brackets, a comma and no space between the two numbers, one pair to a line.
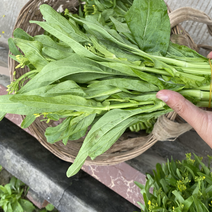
[178,196]
[68,127]
[3,189]
[29,119]
[48,42]
[100,91]
[208,190]
[120,53]
[8,188]
[54,134]
[183,53]
[207,178]
[13,183]
[149,78]
[8,106]
[196,190]
[80,124]
[141,186]
[97,30]
[1,168]
[78,135]
[32,50]
[101,49]
[159,170]
[43,210]
[105,132]
[72,65]
[120,27]
[205,168]
[197,203]
[17,207]
[170,180]
[55,53]
[85,78]
[13,48]
[178,173]
[61,34]
[109,138]
[58,103]
[130,84]
[20,33]
[153,33]
[141,206]
[27,205]
[66,87]
[53,17]
[18,184]
[50,207]
[145,200]
[9,207]
[2,115]
[122,68]
[187,204]
[165,185]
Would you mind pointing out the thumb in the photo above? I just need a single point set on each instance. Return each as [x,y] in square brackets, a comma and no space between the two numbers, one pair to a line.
[188,111]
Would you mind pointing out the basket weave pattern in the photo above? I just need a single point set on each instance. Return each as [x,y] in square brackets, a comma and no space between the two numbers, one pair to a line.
[129,145]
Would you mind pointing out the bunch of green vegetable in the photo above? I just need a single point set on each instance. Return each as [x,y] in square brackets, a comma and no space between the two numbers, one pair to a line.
[102,69]
[179,186]
[11,197]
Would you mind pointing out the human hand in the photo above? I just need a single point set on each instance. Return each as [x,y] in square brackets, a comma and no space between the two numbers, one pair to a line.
[199,119]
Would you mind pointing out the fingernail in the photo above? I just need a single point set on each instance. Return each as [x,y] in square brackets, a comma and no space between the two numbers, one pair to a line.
[162,97]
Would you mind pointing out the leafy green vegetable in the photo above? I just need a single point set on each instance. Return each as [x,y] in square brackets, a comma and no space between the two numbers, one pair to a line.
[183,186]
[29,119]
[100,70]
[32,50]
[153,33]
[20,33]
[11,197]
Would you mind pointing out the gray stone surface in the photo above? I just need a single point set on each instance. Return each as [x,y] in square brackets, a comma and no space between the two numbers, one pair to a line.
[10,9]
[4,80]
[36,199]
[24,157]
[5,177]
[3,54]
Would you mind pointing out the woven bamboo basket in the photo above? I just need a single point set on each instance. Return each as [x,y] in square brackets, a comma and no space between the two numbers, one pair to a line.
[129,145]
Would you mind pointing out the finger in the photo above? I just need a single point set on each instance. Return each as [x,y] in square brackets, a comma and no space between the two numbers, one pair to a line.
[189,112]
[210,55]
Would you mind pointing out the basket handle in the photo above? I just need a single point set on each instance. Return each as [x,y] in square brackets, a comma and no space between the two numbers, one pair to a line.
[187,13]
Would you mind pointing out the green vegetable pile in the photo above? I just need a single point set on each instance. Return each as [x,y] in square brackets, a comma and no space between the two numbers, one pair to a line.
[179,186]
[11,197]
[101,68]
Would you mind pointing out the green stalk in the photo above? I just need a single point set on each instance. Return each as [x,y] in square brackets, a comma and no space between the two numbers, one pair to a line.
[196,71]
[152,70]
[194,77]
[127,105]
[197,94]
[109,92]
[203,104]
[183,63]
[107,35]
[204,87]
